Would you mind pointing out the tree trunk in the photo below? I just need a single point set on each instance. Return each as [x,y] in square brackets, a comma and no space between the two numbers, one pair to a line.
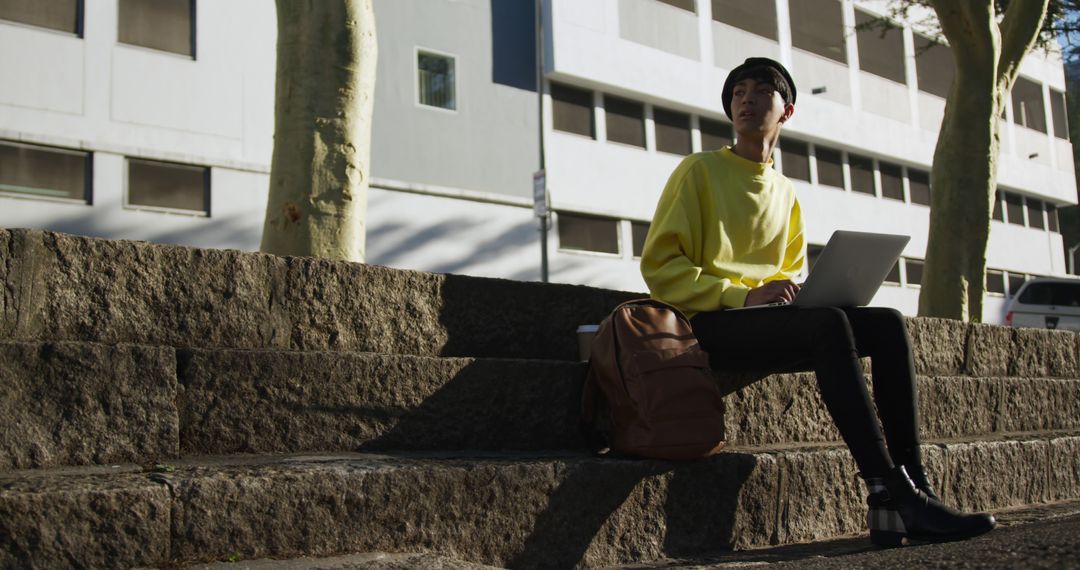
[963,179]
[987,52]
[325,86]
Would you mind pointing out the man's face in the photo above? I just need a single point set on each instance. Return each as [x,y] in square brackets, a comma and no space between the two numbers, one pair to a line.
[757,108]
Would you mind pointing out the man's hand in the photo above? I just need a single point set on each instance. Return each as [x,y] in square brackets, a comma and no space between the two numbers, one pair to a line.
[772,292]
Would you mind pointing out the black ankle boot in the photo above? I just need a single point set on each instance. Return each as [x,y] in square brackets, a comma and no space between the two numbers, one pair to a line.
[900,512]
[917,474]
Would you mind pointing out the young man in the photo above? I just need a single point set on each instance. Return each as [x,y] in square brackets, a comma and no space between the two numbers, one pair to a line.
[728,232]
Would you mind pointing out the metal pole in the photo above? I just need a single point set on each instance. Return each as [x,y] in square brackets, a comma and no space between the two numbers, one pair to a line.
[544,220]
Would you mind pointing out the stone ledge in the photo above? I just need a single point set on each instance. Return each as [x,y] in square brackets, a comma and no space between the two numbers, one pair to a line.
[531,511]
[75,403]
[63,287]
[87,521]
[296,401]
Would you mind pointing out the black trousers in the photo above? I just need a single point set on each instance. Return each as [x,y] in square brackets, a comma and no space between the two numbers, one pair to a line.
[829,342]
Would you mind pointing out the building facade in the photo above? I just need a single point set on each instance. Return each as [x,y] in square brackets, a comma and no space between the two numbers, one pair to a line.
[154,120]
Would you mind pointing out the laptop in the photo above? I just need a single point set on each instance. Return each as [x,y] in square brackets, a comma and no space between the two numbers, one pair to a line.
[849,271]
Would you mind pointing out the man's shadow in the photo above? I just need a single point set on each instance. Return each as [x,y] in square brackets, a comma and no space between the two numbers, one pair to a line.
[610,511]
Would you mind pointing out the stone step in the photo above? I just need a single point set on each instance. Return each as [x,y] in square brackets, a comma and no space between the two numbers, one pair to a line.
[846,552]
[538,511]
[62,287]
[74,403]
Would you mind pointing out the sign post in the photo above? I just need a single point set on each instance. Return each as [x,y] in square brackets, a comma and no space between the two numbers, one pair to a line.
[540,208]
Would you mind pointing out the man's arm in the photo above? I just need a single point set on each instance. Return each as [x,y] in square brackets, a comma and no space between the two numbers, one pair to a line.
[781,286]
[670,260]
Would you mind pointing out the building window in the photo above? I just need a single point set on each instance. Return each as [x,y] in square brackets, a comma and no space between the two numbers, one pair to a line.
[1035,213]
[995,282]
[830,167]
[919,187]
[894,274]
[914,269]
[60,15]
[1052,218]
[588,233]
[436,80]
[684,4]
[45,172]
[168,186]
[166,25]
[754,16]
[1016,281]
[796,155]
[625,121]
[672,131]
[638,232]
[714,134]
[998,215]
[1014,208]
[892,181]
[862,174]
[1027,103]
[881,47]
[572,110]
[817,26]
[1058,113]
[933,66]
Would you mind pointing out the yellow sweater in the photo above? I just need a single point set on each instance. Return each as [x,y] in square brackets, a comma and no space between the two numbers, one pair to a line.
[724,225]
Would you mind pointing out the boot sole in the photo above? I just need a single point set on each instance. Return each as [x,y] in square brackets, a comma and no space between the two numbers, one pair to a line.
[887,539]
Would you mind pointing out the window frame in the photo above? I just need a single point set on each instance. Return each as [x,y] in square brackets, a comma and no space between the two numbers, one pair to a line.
[618,254]
[80,19]
[671,113]
[628,102]
[784,166]
[921,51]
[206,182]
[591,107]
[798,35]
[839,163]
[457,95]
[1017,100]
[876,34]
[88,175]
[729,132]
[929,189]
[634,226]
[192,32]
[679,4]
[768,5]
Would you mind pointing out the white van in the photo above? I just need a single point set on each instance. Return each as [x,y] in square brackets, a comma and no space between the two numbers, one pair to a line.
[1046,303]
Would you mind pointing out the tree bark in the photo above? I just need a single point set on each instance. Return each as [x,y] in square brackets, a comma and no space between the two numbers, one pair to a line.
[964,176]
[326,59]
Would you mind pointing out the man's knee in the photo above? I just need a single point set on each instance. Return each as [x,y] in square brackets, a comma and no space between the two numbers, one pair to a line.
[829,323]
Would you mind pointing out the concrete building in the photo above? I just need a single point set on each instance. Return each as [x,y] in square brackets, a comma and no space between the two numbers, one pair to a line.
[154,120]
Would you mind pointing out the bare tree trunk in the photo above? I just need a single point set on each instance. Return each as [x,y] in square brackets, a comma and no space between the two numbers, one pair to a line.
[326,58]
[964,178]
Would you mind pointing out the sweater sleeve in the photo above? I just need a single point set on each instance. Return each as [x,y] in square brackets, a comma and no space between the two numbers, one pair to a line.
[795,252]
[671,259]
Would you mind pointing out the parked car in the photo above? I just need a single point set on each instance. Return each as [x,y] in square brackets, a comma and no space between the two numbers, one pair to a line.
[1046,303]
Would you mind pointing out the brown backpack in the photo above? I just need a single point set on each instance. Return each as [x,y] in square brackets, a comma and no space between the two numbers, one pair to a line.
[649,386]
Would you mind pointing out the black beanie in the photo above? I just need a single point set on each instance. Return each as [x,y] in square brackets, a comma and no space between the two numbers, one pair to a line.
[739,73]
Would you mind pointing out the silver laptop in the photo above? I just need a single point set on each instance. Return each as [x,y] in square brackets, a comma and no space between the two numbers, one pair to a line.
[849,271]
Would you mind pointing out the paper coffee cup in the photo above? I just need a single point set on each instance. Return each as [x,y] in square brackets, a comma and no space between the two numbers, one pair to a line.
[585,334]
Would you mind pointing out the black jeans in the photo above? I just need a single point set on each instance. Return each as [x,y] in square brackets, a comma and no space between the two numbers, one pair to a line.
[829,341]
